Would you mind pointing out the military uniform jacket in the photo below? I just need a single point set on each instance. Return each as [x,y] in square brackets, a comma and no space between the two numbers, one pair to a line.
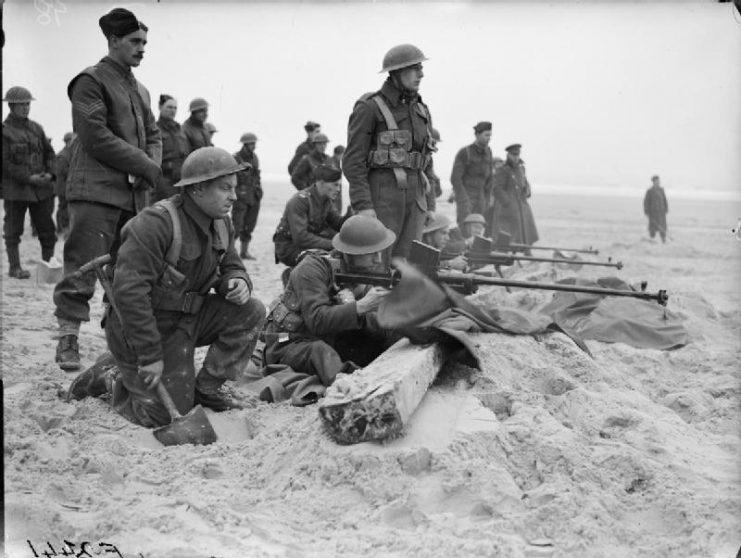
[175,148]
[61,165]
[313,312]
[304,148]
[472,174]
[249,187]
[117,136]
[654,202]
[365,124]
[511,184]
[26,151]
[308,222]
[149,294]
[303,173]
[197,134]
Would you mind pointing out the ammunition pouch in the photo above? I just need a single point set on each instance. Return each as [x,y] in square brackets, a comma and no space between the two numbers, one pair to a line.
[284,312]
[394,150]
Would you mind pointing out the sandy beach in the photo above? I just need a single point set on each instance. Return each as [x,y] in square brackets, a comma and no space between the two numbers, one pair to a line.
[544,452]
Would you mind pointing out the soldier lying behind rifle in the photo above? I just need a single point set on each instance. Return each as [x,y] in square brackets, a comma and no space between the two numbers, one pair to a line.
[318,328]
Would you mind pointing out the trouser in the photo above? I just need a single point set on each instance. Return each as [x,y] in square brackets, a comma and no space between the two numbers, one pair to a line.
[164,189]
[41,216]
[244,218]
[657,225]
[399,211]
[476,204]
[231,332]
[62,214]
[95,230]
[352,349]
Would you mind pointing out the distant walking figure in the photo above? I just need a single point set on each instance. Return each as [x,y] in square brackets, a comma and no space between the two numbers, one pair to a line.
[655,207]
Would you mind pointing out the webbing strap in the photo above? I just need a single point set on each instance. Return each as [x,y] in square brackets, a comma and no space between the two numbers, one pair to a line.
[173,252]
[400,173]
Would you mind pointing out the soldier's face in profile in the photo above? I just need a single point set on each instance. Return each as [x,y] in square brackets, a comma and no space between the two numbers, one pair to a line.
[129,49]
[411,77]
[315,132]
[321,146]
[201,115]
[328,189]
[215,198]
[20,109]
[483,138]
[440,238]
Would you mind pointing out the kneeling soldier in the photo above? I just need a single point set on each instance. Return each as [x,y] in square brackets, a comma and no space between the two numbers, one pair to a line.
[317,328]
[171,257]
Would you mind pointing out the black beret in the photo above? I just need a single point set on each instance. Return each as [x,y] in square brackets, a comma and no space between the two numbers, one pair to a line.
[311,126]
[513,147]
[119,22]
[327,173]
[482,127]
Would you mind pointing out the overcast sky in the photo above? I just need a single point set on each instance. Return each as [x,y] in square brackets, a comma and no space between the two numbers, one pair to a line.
[598,93]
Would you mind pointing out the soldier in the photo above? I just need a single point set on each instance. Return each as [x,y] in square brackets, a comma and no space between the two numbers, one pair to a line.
[472,174]
[310,219]
[62,170]
[249,193]
[315,327]
[175,148]
[312,129]
[303,173]
[211,129]
[167,305]
[656,207]
[511,191]
[337,154]
[437,234]
[473,225]
[114,161]
[195,128]
[389,143]
[28,180]
[497,163]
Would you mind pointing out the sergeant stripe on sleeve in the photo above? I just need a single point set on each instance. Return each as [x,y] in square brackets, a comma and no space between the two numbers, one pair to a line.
[89,109]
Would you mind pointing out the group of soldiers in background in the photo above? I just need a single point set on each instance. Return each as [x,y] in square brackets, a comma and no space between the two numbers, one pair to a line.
[175,278]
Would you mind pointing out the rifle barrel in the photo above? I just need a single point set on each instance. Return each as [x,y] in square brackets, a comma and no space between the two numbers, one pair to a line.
[520,247]
[501,259]
[463,279]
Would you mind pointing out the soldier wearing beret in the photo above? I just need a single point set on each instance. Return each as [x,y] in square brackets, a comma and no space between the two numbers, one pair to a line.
[311,129]
[512,213]
[249,193]
[310,219]
[389,145]
[303,173]
[115,161]
[28,180]
[472,174]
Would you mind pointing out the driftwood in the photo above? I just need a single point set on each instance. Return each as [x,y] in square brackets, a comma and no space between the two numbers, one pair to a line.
[376,402]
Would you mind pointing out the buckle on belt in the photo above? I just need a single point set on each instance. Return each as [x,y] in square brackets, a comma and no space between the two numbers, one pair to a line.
[192,302]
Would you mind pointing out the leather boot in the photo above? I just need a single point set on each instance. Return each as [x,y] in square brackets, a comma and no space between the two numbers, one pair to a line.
[68,353]
[96,381]
[244,252]
[210,393]
[14,264]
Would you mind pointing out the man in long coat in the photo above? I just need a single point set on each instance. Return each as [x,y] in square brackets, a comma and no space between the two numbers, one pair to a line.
[656,207]
[512,213]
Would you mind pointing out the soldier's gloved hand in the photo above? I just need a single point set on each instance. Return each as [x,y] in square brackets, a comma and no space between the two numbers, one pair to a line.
[152,175]
[368,213]
[238,291]
[371,300]
[152,373]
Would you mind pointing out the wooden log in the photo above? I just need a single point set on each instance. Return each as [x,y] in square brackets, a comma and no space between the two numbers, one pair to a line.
[377,401]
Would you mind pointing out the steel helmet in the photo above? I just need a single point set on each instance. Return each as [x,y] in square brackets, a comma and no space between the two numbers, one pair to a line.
[402,56]
[435,222]
[18,94]
[320,138]
[436,135]
[248,137]
[211,128]
[361,234]
[206,164]
[474,218]
[198,104]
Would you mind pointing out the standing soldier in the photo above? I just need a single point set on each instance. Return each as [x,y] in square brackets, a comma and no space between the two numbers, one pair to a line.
[249,193]
[62,170]
[656,207]
[312,129]
[115,159]
[169,305]
[336,161]
[175,148]
[472,174]
[303,173]
[195,127]
[511,190]
[491,227]
[211,129]
[28,180]
[389,138]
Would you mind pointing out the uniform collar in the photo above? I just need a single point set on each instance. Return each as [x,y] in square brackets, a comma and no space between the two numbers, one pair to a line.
[123,71]
[193,122]
[16,121]
[396,95]
[196,213]
[167,124]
